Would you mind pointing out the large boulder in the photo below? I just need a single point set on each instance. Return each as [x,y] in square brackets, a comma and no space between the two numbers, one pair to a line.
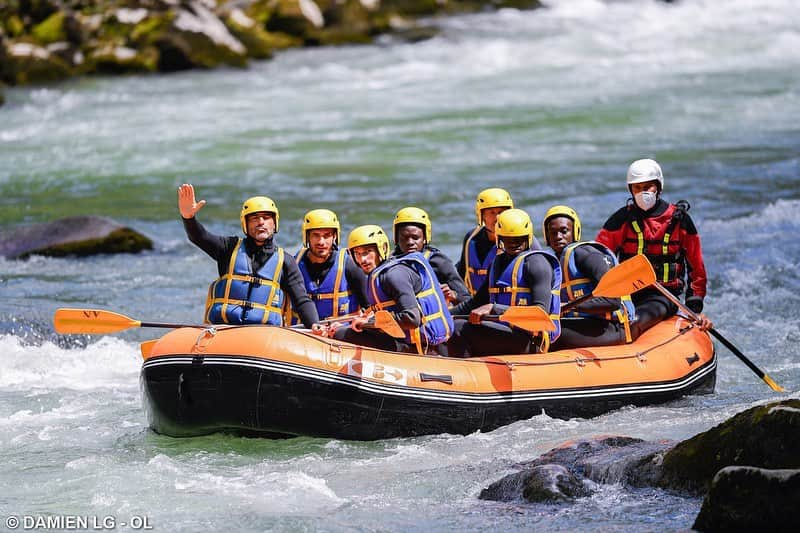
[79,235]
[767,436]
[744,498]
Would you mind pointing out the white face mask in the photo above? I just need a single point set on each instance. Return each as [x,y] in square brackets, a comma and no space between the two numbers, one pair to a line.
[645,200]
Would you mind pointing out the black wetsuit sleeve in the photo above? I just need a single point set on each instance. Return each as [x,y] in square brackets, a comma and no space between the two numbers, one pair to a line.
[357,282]
[538,275]
[480,298]
[401,283]
[461,266]
[217,247]
[293,286]
[594,264]
[446,273]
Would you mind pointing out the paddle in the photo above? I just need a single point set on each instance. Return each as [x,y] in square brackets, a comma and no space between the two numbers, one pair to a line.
[626,278]
[728,344]
[384,321]
[98,321]
[528,317]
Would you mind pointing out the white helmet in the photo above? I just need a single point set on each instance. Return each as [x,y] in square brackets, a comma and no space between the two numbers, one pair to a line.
[643,170]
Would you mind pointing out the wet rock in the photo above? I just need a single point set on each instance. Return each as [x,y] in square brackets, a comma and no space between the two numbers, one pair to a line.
[767,436]
[547,483]
[569,471]
[743,498]
[79,235]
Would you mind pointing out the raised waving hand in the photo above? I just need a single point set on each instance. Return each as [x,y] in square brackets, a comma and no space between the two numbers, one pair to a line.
[187,204]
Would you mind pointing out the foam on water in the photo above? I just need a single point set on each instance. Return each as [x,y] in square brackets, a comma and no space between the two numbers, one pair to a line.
[107,364]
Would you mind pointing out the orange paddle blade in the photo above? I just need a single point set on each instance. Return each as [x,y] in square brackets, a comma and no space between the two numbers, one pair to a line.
[386,323]
[528,317]
[626,278]
[91,321]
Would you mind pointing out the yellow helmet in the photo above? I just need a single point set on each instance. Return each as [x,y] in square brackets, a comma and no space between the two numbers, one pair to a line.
[257,204]
[562,211]
[514,223]
[369,234]
[412,215]
[493,197]
[320,219]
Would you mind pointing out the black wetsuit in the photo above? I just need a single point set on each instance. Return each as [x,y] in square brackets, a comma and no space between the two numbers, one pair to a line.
[579,332]
[494,338]
[356,279]
[445,271]
[401,283]
[221,248]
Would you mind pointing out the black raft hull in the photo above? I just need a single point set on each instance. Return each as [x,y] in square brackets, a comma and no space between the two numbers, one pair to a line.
[270,394]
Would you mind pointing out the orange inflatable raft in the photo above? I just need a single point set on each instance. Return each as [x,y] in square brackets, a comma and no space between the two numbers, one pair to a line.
[272,381]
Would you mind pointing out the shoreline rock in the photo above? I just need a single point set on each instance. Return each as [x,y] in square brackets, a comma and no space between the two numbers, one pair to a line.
[52,40]
[747,467]
[79,236]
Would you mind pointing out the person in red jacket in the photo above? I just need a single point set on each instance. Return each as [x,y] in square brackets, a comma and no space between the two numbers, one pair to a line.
[666,235]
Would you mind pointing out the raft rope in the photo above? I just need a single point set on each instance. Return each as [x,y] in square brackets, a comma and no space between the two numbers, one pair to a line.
[641,355]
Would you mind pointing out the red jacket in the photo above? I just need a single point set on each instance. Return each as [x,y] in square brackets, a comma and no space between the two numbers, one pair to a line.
[667,236]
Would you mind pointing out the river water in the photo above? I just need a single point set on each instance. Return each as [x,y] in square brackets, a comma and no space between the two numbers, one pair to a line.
[551,104]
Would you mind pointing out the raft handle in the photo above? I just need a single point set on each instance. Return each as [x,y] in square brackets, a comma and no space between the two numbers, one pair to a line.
[436,377]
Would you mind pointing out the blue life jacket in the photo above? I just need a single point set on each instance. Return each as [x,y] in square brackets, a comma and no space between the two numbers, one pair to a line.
[332,297]
[511,288]
[437,323]
[241,296]
[475,269]
[576,284]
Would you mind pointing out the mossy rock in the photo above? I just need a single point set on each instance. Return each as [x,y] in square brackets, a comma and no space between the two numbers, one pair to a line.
[745,498]
[414,8]
[29,63]
[52,29]
[766,437]
[260,10]
[348,22]
[14,26]
[198,38]
[152,28]
[120,60]
[251,34]
[79,236]
[288,18]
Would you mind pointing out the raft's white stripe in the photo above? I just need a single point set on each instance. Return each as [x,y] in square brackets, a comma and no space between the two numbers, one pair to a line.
[427,394]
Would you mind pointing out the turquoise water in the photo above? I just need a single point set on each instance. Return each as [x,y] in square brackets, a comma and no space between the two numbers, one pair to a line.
[551,105]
